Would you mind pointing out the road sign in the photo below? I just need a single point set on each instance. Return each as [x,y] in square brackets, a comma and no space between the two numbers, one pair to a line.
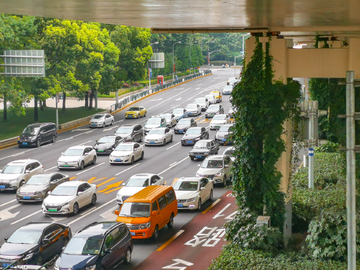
[23,63]
[157,60]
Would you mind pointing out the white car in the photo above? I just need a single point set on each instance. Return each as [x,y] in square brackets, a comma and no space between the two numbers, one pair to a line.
[159,136]
[193,192]
[136,183]
[127,152]
[216,168]
[170,119]
[155,122]
[230,152]
[193,109]
[227,90]
[219,120]
[17,172]
[211,99]
[69,197]
[101,120]
[77,157]
[203,102]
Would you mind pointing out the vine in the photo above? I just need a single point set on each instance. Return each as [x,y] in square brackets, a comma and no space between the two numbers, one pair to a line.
[262,107]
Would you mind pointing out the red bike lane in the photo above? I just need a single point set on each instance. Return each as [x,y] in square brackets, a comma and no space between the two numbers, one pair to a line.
[199,242]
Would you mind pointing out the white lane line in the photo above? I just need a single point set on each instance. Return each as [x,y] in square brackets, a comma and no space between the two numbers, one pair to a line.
[93,167]
[84,142]
[128,169]
[79,129]
[119,121]
[50,169]
[90,212]
[172,146]
[1,205]
[21,219]
[177,163]
[173,164]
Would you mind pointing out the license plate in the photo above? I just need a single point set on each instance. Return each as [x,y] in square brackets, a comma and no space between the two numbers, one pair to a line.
[94,124]
[198,156]
[117,159]
[181,131]
[26,197]
[223,140]
[180,205]
[189,142]
[52,210]
[129,115]
[66,165]
[152,142]
[25,143]
[5,264]
[132,233]
[100,150]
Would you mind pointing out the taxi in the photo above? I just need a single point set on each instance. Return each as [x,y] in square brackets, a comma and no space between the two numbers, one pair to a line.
[135,112]
[217,95]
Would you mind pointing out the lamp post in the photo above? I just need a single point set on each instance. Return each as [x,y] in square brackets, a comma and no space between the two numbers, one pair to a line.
[235,63]
[243,43]
[156,42]
[210,54]
[178,42]
[190,54]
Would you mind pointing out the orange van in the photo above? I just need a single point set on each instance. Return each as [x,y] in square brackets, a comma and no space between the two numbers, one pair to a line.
[147,211]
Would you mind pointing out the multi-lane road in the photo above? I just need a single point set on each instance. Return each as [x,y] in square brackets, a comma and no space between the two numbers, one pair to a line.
[170,161]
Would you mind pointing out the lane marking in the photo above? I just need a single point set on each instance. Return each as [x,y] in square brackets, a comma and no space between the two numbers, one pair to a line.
[107,181]
[1,205]
[50,169]
[111,186]
[222,210]
[128,169]
[114,189]
[84,142]
[170,240]
[19,220]
[72,178]
[172,146]
[211,206]
[173,165]
[93,167]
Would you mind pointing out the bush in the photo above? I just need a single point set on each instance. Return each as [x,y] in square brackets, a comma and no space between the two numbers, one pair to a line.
[328,147]
[234,257]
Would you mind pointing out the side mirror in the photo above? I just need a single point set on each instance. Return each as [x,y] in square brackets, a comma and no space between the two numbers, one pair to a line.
[116,212]
[86,154]
[27,171]
[154,213]
[5,238]
[79,192]
[45,241]
[202,188]
[49,192]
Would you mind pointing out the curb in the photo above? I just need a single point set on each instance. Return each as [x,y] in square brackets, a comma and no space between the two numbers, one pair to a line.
[82,121]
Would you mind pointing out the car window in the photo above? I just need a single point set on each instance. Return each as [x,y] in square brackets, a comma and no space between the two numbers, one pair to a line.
[136,145]
[112,239]
[86,186]
[34,165]
[154,206]
[203,182]
[28,167]
[170,196]
[55,177]
[52,231]
[162,202]
[81,188]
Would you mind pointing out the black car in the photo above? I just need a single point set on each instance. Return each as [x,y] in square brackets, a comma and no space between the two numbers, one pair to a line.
[34,243]
[107,144]
[37,134]
[213,110]
[194,134]
[183,125]
[204,148]
[100,245]
[223,135]
[131,133]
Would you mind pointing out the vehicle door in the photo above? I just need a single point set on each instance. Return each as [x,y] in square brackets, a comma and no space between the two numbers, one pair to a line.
[137,151]
[205,189]
[136,134]
[81,195]
[42,135]
[87,155]
[155,180]
[163,219]
[167,134]
[109,251]
[88,192]
[227,165]
[51,243]
[203,133]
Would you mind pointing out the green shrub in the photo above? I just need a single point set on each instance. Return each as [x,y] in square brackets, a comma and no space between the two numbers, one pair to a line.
[328,147]
[234,257]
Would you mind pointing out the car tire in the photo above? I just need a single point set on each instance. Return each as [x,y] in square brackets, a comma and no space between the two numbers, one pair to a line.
[75,208]
[142,156]
[103,125]
[170,224]
[94,160]
[93,199]
[171,138]
[82,165]
[128,256]
[132,160]
[192,158]
[156,232]
[199,205]
[53,139]
[38,143]
[145,114]
[164,142]
[211,195]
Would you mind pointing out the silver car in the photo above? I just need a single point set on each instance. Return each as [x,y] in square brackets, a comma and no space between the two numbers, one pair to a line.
[77,157]
[37,187]
[127,152]
[101,120]
[203,102]
[219,120]
[170,119]
[159,136]
[216,168]
[193,109]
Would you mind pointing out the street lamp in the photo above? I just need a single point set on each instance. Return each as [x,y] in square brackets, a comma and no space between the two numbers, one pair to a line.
[243,43]
[190,54]
[210,54]
[178,42]
[156,42]
[235,63]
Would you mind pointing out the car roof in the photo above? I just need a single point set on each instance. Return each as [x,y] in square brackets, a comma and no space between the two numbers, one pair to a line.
[36,226]
[40,124]
[49,174]
[190,178]
[143,174]
[159,128]
[129,125]
[132,143]
[96,229]
[22,161]
[79,146]
[195,128]
[72,183]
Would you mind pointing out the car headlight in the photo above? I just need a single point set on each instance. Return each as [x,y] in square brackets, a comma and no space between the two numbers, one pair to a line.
[91,267]
[144,226]
[219,173]
[191,199]
[28,256]
[56,267]
[38,192]
[66,205]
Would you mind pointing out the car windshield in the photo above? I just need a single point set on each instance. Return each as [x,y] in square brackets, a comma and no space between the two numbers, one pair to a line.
[38,180]
[178,111]
[184,121]
[200,100]
[191,107]
[201,144]
[107,140]
[193,131]
[124,147]
[31,130]
[13,169]
[130,209]
[64,191]
[23,236]
[225,128]
[208,163]
[73,152]
[166,116]
[98,116]
[134,109]
[153,121]
[124,130]
[210,97]
[186,185]
[213,108]
[229,152]
[219,117]
[157,131]
[137,182]
[83,246]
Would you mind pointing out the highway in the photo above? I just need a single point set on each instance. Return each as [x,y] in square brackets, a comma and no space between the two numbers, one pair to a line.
[170,161]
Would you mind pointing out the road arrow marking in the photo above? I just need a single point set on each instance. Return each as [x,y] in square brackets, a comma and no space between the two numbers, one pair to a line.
[115,185]
[103,183]
[6,214]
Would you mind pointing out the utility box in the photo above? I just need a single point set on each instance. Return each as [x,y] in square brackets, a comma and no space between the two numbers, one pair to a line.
[263,221]
[160,79]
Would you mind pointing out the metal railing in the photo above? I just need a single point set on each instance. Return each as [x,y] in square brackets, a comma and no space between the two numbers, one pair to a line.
[124,101]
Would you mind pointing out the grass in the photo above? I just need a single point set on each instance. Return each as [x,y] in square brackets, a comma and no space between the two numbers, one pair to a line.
[15,124]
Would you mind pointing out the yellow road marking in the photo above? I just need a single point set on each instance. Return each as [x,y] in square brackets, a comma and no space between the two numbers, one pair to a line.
[72,178]
[98,180]
[175,179]
[115,185]
[198,119]
[211,206]
[103,183]
[114,189]
[91,180]
[164,182]
[170,240]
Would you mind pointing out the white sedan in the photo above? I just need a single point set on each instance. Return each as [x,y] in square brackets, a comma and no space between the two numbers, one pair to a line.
[159,136]
[219,120]
[127,152]
[77,157]
[193,192]
[193,109]
[69,197]
[136,183]
[101,120]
